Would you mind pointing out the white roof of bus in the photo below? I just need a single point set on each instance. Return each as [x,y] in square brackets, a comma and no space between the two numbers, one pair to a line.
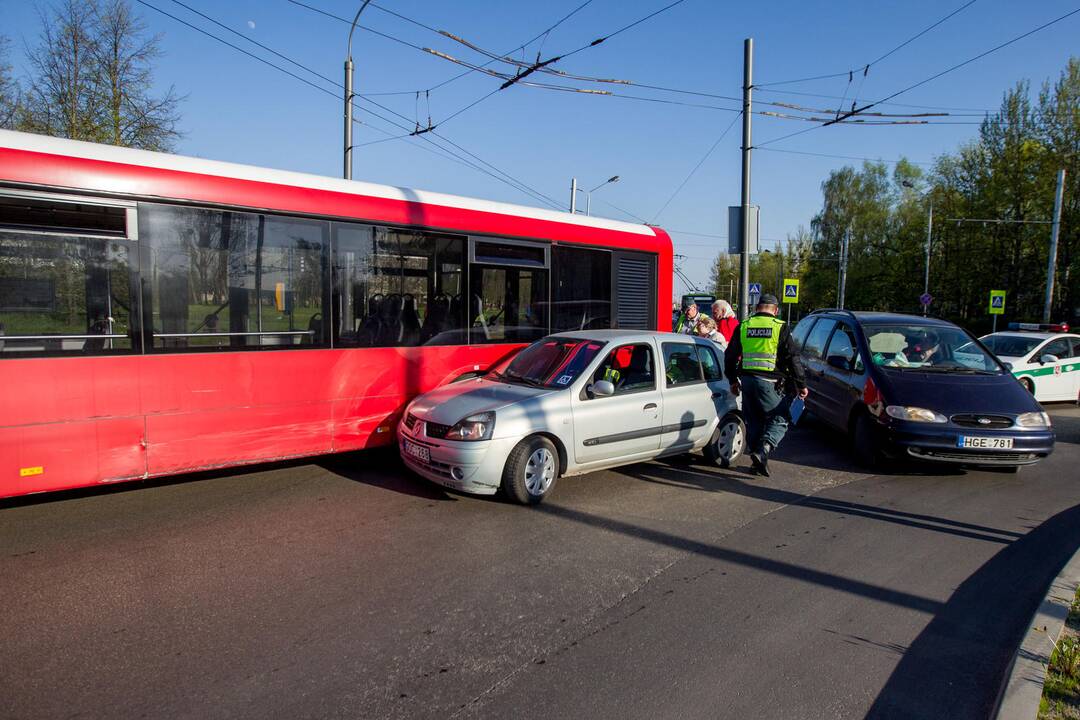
[167,161]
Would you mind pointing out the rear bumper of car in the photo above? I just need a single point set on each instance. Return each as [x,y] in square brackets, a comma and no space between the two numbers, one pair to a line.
[474,467]
[923,441]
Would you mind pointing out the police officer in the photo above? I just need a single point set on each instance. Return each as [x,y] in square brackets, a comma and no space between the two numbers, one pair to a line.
[763,364]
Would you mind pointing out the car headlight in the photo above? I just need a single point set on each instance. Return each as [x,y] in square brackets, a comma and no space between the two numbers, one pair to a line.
[474,427]
[1033,420]
[915,414]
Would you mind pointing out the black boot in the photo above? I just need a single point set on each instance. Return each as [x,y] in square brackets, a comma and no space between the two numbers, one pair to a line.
[760,460]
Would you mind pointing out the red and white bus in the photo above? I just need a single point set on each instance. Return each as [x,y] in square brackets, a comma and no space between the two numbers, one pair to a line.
[163,314]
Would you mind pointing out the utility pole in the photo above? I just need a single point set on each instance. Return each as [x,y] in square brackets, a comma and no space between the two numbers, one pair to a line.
[573,195]
[926,273]
[349,95]
[744,258]
[1055,228]
[843,266]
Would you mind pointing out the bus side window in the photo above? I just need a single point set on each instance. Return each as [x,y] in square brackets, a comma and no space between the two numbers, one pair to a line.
[65,278]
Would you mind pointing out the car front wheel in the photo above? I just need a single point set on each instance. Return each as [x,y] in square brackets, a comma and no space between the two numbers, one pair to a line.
[866,441]
[531,470]
[728,442]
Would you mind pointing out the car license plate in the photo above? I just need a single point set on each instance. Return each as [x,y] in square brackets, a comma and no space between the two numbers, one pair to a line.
[418,452]
[984,443]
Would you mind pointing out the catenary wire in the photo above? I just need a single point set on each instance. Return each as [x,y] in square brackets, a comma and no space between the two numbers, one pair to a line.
[447,154]
[696,167]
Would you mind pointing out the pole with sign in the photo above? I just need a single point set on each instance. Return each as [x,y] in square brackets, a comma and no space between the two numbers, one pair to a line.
[791,294]
[997,305]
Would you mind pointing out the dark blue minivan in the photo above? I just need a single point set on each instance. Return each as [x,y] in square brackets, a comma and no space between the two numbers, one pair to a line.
[904,386]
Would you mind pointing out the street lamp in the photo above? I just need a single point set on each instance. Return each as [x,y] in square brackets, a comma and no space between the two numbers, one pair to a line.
[929,230]
[349,95]
[588,193]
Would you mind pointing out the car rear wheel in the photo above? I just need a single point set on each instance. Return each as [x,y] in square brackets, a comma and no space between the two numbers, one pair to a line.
[531,470]
[1028,385]
[866,441]
[728,442]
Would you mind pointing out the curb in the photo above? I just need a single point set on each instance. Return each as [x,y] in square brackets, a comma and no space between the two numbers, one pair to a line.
[1022,690]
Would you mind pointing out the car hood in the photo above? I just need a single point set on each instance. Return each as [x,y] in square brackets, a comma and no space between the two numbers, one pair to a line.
[450,403]
[957,393]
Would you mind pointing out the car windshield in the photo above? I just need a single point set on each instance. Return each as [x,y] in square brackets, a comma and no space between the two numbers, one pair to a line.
[551,363]
[1011,345]
[928,348]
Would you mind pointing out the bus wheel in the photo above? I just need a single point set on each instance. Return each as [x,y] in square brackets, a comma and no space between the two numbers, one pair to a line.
[1028,385]
[728,442]
[531,470]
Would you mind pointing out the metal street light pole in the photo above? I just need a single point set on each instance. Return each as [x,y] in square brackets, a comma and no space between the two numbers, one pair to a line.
[744,259]
[588,193]
[349,95]
[573,195]
[929,232]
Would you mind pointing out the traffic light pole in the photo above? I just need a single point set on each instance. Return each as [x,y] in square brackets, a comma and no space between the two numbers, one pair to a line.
[744,257]
[1052,267]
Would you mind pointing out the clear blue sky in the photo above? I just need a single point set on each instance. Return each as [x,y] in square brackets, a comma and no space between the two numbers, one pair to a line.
[240,110]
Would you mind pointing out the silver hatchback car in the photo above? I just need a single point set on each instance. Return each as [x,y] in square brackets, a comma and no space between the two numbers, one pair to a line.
[572,403]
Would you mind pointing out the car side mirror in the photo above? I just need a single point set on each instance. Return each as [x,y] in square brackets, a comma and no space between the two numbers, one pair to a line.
[1048,358]
[602,388]
[1008,366]
[839,362]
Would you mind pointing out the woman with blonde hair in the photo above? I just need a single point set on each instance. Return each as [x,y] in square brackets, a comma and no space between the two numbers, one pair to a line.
[706,328]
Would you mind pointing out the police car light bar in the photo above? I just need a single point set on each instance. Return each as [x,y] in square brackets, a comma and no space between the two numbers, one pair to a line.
[1040,327]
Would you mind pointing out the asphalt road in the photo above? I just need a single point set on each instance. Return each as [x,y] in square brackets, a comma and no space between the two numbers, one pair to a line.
[346,588]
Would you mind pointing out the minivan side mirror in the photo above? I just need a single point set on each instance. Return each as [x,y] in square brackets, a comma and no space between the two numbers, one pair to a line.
[839,362]
[602,388]
[1048,358]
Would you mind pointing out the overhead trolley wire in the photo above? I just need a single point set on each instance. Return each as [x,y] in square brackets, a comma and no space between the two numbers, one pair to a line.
[696,167]
[867,66]
[444,152]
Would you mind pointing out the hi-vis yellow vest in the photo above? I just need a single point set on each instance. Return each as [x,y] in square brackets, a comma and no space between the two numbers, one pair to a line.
[760,337]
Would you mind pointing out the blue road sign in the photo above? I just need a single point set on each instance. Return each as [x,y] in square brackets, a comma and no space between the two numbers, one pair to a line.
[926,299]
[997,301]
[755,288]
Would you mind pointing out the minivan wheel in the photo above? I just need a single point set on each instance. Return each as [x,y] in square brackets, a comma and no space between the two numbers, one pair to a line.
[1028,385]
[728,442]
[867,444]
[531,470]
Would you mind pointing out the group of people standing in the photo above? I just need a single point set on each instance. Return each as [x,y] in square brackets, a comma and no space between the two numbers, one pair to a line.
[762,364]
[719,326]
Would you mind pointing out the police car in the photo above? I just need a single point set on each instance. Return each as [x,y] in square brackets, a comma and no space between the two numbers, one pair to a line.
[1044,358]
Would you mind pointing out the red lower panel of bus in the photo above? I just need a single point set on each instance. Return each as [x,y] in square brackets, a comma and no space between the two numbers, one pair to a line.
[73,422]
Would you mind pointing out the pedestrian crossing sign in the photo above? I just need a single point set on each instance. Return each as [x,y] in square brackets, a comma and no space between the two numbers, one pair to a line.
[791,290]
[997,302]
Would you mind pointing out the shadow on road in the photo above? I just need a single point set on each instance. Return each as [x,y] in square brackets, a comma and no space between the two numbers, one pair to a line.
[719,481]
[381,468]
[947,670]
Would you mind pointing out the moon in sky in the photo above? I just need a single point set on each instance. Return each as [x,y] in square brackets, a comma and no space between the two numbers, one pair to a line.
[251,24]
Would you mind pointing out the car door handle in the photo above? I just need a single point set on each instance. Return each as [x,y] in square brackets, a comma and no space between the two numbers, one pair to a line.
[649,406]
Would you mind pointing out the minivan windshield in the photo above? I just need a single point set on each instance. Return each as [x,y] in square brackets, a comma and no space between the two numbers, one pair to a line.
[928,348]
[553,362]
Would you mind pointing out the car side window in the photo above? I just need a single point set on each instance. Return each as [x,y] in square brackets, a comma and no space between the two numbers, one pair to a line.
[710,364]
[1076,347]
[843,345]
[801,331]
[815,342]
[681,364]
[629,368]
[1059,347]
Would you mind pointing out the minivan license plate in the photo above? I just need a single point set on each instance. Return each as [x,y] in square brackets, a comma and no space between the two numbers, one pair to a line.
[417,451]
[984,443]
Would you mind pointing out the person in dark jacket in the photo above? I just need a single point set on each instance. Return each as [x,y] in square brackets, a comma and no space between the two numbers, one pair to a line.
[762,363]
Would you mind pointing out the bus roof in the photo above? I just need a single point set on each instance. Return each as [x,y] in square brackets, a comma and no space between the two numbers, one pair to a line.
[26,142]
